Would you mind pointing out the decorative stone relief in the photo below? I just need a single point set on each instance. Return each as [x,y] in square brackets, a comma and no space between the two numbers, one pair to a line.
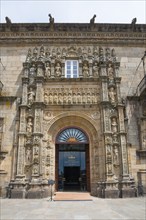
[71,96]
[114,125]
[112,95]
[29,126]
[85,69]
[48,70]
[31,96]
[58,70]
[106,120]
[28,155]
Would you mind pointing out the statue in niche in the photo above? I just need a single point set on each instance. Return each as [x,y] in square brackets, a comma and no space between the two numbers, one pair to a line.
[29,126]
[64,52]
[60,98]
[64,98]
[50,98]
[58,69]
[31,96]
[110,73]
[35,53]
[53,53]
[101,54]
[85,70]
[74,98]
[55,98]
[69,98]
[40,71]
[32,74]
[89,52]
[28,155]
[36,150]
[79,97]
[58,53]
[109,159]
[108,58]
[95,69]
[42,54]
[112,94]
[35,159]
[88,97]
[115,156]
[45,97]
[35,169]
[84,97]
[47,53]
[114,55]
[114,125]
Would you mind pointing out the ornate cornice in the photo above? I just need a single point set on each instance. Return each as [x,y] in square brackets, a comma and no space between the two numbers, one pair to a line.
[73,33]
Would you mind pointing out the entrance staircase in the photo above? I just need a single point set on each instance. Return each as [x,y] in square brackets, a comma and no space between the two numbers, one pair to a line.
[72,196]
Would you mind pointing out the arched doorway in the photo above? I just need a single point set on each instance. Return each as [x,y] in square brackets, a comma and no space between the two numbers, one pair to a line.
[72,160]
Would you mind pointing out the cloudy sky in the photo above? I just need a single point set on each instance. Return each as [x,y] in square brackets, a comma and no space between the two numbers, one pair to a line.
[75,11]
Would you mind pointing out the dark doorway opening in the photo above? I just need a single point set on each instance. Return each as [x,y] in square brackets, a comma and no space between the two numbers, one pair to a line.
[71,176]
[72,167]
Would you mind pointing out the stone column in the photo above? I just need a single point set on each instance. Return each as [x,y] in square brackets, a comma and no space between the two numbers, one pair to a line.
[90,69]
[80,69]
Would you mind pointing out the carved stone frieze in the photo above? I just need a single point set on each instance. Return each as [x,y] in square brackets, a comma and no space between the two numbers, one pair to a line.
[71,96]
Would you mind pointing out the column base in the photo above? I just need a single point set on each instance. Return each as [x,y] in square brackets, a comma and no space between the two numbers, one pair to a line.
[111,190]
[128,193]
[112,193]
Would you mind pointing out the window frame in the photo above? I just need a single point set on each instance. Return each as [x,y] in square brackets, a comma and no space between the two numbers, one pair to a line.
[71,69]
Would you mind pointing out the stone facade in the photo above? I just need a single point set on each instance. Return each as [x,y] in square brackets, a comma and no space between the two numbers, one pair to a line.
[105,100]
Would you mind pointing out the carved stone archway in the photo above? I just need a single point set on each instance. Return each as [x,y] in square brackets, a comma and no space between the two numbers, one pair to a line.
[86,124]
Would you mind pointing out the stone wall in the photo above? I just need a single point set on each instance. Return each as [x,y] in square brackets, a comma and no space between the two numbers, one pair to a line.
[13,57]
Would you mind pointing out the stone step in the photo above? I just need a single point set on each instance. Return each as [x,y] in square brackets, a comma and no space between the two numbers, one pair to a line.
[72,196]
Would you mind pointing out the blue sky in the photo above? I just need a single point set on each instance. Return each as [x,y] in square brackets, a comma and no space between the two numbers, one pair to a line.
[80,11]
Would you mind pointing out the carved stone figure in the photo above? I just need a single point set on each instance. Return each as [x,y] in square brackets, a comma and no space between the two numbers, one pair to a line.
[35,169]
[29,125]
[42,54]
[51,19]
[95,69]
[32,74]
[58,70]
[109,159]
[112,94]
[110,73]
[115,156]
[8,20]
[35,53]
[92,20]
[114,125]
[85,70]
[28,155]
[45,97]
[48,70]
[31,96]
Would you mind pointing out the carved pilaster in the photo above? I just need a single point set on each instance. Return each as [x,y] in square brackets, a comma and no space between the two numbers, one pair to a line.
[118,89]
[104,90]
[52,69]
[22,128]
[124,156]
[107,127]
[121,118]
[20,161]
[38,120]
[80,69]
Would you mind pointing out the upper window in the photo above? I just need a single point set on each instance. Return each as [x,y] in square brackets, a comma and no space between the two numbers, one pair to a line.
[71,69]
